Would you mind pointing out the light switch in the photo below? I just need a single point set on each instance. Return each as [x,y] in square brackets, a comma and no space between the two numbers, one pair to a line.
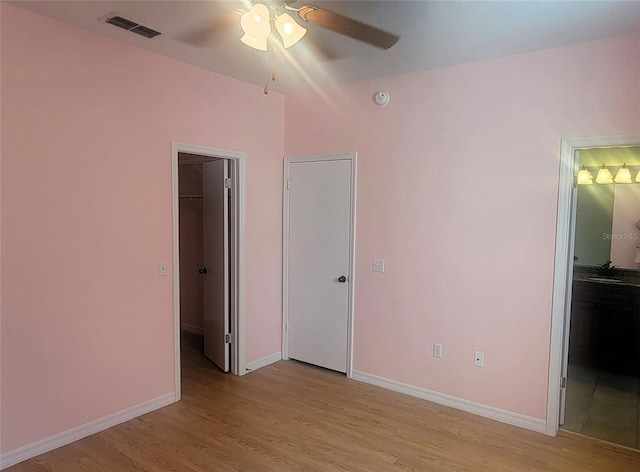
[378,265]
[162,269]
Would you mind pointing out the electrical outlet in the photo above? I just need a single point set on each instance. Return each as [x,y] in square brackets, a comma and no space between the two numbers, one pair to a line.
[378,265]
[437,350]
[478,358]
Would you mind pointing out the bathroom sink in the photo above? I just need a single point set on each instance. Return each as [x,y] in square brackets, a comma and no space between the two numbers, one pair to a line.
[605,279]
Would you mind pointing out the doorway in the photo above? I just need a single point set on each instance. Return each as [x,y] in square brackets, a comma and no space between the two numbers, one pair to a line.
[560,372]
[208,186]
[603,371]
[318,279]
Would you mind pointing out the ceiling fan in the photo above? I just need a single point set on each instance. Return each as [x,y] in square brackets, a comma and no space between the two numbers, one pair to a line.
[266,15]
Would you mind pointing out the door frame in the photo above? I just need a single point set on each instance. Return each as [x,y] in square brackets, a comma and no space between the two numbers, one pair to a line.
[237,257]
[563,271]
[352,158]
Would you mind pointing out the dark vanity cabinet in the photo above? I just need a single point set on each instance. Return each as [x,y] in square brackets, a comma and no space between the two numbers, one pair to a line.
[605,327]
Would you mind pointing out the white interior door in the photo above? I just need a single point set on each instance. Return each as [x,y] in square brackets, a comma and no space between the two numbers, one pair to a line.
[319,254]
[215,209]
[568,296]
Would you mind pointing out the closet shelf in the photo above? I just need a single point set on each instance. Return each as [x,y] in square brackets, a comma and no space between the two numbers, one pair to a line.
[190,196]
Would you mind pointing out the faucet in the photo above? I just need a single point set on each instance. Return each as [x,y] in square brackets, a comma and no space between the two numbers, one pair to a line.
[606,269]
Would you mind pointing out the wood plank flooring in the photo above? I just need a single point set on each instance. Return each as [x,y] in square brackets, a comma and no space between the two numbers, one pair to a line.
[294,417]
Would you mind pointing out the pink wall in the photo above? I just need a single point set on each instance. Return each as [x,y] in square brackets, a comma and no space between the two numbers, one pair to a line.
[87,324]
[626,236]
[457,190]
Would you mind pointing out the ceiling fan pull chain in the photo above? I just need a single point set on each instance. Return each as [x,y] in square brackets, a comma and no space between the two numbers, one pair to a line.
[266,84]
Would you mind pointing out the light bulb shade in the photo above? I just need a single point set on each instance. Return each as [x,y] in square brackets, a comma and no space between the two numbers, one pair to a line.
[584,177]
[255,43]
[638,176]
[255,24]
[290,31]
[604,176]
[623,176]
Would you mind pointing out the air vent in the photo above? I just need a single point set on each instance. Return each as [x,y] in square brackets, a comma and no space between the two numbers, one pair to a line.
[122,22]
[132,26]
[144,31]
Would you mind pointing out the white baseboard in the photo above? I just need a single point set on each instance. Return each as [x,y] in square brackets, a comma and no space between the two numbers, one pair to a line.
[264,361]
[66,437]
[189,328]
[504,416]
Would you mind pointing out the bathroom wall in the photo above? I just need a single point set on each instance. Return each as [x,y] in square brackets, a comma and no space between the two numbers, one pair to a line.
[608,213]
[625,232]
[594,220]
[606,220]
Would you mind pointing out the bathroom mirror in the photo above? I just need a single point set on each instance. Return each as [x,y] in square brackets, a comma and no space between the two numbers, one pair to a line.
[607,214]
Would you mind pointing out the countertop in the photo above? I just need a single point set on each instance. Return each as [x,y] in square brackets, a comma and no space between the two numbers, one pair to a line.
[620,277]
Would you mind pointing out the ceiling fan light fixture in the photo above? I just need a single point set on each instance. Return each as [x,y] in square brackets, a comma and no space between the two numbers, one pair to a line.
[255,24]
[255,43]
[290,31]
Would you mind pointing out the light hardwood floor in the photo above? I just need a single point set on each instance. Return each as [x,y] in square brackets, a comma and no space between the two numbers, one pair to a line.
[295,417]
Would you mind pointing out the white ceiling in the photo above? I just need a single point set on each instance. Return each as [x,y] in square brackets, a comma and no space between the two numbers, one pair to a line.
[433,34]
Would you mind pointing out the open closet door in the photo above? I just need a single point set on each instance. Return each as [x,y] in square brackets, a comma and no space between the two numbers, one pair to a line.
[216,261]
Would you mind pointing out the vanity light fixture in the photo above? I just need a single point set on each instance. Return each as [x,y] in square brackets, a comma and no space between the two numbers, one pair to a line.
[623,176]
[585,177]
[604,176]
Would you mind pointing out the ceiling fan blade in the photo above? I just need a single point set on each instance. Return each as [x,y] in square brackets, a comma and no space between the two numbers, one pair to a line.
[348,26]
[210,31]
[320,49]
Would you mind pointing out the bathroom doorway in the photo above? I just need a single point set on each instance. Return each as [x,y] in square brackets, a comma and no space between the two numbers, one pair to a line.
[594,354]
[603,372]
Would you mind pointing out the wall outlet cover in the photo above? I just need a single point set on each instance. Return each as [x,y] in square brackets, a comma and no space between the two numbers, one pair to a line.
[437,350]
[478,358]
[378,265]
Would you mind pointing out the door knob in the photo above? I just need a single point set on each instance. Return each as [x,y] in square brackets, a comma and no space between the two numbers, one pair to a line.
[342,279]
[203,271]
